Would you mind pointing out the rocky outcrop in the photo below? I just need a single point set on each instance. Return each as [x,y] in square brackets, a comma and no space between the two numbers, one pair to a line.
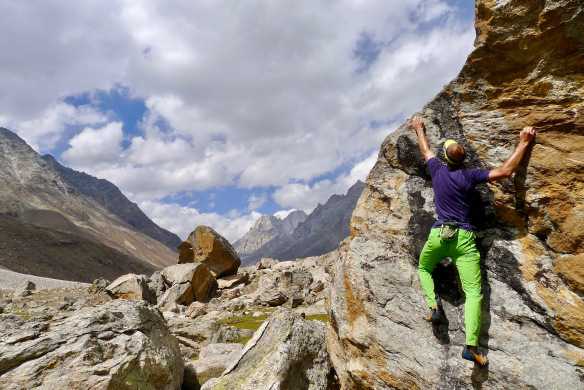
[266,263]
[213,360]
[525,70]
[132,287]
[119,345]
[317,234]
[187,283]
[233,280]
[286,352]
[210,248]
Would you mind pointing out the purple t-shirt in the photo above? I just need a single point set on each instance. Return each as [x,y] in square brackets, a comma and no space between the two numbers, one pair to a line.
[453,192]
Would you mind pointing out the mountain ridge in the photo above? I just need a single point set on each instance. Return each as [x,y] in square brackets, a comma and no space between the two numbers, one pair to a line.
[321,231]
[35,193]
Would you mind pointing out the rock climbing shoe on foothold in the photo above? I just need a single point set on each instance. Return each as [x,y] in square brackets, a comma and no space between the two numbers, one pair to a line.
[474,356]
[434,316]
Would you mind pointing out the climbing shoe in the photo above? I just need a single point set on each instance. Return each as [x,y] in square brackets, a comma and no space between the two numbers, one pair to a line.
[434,316]
[475,356]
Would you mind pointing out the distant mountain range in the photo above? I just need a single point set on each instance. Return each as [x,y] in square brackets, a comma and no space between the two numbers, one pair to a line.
[60,223]
[300,235]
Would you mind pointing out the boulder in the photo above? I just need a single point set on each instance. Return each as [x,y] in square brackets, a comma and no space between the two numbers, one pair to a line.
[296,300]
[25,289]
[211,249]
[185,253]
[192,334]
[188,283]
[99,285]
[286,352]
[213,360]
[295,279]
[231,293]
[157,284]
[119,345]
[525,70]
[266,263]
[272,298]
[230,334]
[233,280]
[196,309]
[282,265]
[317,286]
[132,287]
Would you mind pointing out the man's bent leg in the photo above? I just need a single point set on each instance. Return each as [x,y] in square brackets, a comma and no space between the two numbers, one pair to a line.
[429,258]
[468,263]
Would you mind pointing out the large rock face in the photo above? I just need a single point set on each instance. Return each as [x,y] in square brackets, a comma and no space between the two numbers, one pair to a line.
[212,249]
[119,345]
[526,69]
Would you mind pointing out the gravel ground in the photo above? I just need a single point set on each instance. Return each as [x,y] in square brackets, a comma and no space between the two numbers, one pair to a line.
[11,280]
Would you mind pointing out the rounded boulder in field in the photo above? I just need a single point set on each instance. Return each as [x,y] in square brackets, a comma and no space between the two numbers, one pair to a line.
[211,249]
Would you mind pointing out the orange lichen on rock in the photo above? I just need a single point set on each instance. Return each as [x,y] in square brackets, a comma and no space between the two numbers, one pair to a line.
[571,270]
[355,307]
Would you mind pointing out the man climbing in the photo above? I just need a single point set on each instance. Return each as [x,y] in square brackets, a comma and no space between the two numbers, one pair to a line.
[453,234]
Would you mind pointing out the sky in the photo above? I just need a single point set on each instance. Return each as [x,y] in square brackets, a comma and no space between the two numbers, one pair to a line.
[217,112]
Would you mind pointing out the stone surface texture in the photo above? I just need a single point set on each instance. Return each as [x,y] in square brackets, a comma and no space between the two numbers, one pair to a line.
[118,345]
[187,283]
[213,250]
[526,69]
[213,360]
[286,352]
[132,287]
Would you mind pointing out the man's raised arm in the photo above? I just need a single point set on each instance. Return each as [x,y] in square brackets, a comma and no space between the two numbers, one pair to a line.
[418,125]
[526,137]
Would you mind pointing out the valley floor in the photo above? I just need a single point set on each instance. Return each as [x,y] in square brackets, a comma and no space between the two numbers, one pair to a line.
[12,280]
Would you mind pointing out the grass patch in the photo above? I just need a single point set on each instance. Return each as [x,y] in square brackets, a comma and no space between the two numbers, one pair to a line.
[20,313]
[245,322]
[319,317]
[243,340]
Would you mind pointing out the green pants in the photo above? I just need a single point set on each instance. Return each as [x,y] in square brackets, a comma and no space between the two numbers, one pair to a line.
[464,254]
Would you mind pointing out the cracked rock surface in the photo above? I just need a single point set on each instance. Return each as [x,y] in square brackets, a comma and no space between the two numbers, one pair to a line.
[116,345]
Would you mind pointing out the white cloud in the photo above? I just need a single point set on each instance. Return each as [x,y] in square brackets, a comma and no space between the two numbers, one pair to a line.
[46,129]
[93,147]
[248,94]
[183,220]
[306,197]
[255,201]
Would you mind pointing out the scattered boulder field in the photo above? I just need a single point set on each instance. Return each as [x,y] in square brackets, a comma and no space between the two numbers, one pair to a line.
[353,319]
[183,327]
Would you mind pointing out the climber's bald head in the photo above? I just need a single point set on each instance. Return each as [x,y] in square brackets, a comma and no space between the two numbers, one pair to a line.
[454,152]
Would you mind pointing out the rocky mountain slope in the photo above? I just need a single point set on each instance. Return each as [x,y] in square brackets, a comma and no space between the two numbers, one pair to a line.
[526,69]
[112,199]
[38,201]
[267,228]
[319,233]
